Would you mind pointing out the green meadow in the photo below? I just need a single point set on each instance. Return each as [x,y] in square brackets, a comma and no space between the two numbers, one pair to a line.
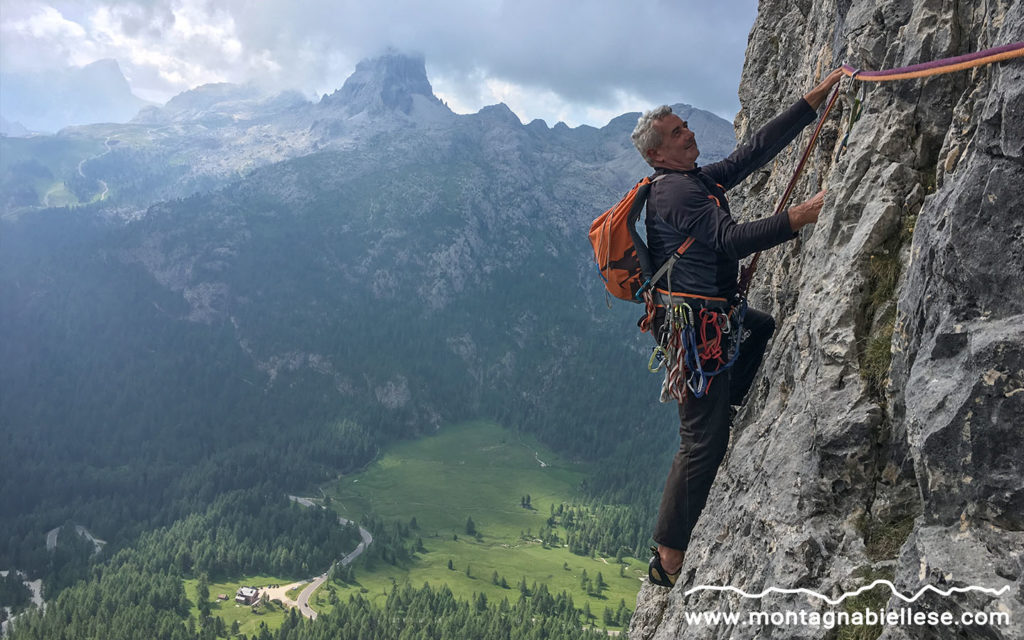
[477,471]
[43,162]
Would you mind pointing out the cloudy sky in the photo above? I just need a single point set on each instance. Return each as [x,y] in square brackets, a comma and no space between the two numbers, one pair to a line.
[579,61]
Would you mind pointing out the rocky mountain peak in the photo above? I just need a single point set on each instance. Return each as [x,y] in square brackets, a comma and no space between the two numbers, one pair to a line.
[385,83]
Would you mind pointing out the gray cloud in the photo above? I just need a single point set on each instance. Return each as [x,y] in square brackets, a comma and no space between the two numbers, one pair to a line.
[571,58]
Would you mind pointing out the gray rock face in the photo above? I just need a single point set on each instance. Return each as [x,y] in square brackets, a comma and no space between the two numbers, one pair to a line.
[883,439]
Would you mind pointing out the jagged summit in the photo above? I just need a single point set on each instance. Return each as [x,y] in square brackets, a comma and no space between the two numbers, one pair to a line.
[386,83]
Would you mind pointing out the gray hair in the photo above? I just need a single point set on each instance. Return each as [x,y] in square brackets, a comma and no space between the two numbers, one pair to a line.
[645,137]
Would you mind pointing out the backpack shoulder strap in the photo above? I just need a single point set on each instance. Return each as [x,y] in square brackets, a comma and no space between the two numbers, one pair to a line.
[652,279]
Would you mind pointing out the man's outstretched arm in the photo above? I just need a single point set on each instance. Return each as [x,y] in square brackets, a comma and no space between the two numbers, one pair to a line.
[772,138]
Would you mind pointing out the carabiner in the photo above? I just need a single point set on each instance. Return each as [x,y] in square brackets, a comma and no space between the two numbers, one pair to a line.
[687,311]
[658,354]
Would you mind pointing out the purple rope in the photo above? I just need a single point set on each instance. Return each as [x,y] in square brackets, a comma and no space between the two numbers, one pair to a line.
[945,62]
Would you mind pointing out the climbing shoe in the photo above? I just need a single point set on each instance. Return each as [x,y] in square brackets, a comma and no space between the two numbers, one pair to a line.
[657,574]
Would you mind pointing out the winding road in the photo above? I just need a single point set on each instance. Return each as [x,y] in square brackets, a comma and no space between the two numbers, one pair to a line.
[302,603]
[51,538]
[81,163]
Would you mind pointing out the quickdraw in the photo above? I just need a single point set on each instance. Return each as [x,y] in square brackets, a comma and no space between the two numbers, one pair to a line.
[855,112]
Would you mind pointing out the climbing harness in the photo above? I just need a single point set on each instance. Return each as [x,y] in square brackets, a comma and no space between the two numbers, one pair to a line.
[697,343]
[924,69]
[692,332]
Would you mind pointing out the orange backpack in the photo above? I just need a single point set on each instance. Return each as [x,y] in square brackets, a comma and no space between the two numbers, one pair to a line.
[621,254]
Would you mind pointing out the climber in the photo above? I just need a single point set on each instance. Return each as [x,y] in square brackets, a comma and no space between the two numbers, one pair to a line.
[689,201]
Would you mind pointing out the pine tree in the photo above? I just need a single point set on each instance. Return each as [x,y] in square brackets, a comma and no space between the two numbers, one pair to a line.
[203,596]
[623,613]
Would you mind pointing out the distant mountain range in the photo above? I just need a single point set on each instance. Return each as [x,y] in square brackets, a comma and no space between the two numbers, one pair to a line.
[49,101]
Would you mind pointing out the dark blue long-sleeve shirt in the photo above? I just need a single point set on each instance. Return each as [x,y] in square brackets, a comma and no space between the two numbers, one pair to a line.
[692,203]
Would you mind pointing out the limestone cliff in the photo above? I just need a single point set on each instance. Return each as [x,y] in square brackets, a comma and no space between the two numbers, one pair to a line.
[884,436]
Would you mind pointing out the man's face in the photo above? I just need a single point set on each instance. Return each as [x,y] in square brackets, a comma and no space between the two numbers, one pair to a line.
[678,148]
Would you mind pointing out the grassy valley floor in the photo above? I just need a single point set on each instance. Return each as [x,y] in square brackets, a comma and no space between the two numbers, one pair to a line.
[477,471]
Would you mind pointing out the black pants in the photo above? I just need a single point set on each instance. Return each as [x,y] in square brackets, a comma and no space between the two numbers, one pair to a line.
[704,436]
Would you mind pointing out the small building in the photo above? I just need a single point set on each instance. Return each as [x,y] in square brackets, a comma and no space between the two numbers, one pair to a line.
[222,596]
[247,595]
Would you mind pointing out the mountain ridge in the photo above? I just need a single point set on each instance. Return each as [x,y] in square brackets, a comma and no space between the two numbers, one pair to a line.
[213,134]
